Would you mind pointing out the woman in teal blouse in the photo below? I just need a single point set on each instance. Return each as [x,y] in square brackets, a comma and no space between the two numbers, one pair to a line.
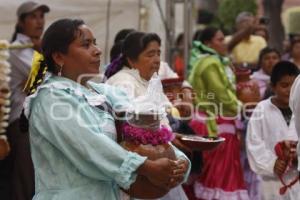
[72,140]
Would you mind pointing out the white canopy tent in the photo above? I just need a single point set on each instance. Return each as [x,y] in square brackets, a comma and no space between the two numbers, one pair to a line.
[139,14]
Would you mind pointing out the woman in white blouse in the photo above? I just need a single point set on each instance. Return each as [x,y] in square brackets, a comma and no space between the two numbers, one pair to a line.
[139,60]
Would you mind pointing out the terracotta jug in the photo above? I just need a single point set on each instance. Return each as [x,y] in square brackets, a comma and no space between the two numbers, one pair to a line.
[143,188]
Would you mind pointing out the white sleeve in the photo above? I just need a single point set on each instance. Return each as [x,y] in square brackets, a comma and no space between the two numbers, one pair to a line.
[261,159]
[295,103]
[21,61]
[125,83]
[295,106]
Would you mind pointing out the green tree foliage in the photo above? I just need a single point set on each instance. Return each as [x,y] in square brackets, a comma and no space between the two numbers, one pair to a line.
[294,25]
[229,9]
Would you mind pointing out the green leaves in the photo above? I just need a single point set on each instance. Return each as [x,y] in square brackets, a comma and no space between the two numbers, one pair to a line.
[229,9]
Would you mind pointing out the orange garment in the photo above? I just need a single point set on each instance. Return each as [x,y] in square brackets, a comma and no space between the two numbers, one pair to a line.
[179,66]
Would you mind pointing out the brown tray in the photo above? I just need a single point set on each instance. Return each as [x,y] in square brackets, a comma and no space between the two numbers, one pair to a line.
[198,143]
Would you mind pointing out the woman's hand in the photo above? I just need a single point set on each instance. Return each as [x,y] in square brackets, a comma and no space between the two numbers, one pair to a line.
[159,172]
[156,178]
[177,142]
[153,180]
[183,166]
[163,172]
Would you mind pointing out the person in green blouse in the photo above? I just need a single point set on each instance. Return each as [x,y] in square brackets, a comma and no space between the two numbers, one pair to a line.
[212,78]
[214,83]
[73,141]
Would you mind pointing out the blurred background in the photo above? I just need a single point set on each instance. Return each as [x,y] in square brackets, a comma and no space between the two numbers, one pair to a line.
[165,17]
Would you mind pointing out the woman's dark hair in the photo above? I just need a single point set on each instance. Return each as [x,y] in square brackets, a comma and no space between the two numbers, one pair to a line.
[208,34]
[281,69]
[179,39]
[116,50]
[266,51]
[57,38]
[18,28]
[118,42]
[134,44]
[121,35]
[197,34]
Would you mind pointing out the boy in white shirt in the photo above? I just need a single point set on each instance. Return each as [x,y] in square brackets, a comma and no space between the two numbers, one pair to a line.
[271,123]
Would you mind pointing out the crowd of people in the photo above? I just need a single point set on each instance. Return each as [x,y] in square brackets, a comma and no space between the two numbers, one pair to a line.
[63,130]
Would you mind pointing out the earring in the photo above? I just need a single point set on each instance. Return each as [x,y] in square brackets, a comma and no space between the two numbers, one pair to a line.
[60,69]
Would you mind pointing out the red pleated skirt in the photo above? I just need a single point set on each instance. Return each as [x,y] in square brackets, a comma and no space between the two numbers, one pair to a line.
[222,175]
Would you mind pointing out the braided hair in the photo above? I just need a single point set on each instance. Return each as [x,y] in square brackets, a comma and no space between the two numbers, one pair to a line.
[18,28]
[57,38]
[116,49]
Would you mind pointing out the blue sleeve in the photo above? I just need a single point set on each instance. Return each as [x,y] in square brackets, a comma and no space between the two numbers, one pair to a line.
[70,125]
[117,98]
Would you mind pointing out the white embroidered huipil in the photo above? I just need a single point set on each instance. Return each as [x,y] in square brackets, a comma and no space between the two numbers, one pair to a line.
[266,128]
[134,85]
[130,81]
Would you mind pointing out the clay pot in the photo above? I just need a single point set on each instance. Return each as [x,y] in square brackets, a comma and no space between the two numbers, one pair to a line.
[247,89]
[144,120]
[152,152]
[142,187]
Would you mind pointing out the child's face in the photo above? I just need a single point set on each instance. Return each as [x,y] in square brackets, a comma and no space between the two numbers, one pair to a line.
[268,62]
[282,89]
